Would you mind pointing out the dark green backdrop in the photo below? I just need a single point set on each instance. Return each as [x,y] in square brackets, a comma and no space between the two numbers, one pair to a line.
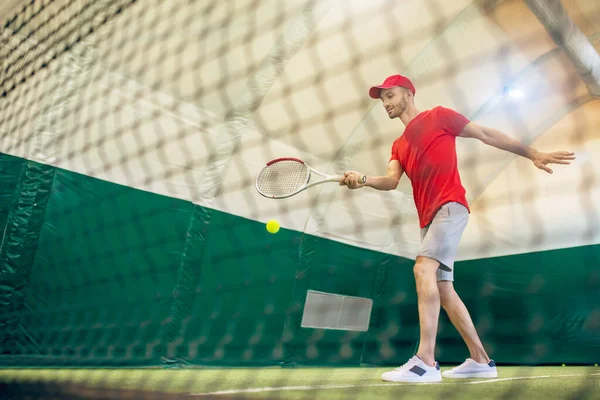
[93,273]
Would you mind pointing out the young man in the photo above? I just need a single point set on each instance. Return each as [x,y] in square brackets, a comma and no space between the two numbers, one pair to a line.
[426,151]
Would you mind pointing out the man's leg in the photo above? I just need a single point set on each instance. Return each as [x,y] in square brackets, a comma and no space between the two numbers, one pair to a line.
[422,367]
[438,244]
[428,297]
[459,315]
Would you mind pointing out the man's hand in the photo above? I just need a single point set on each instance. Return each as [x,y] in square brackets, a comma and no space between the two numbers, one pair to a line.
[353,180]
[540,160]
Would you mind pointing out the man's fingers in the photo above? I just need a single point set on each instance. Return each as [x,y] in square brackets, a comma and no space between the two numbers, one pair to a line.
[541,165]
[564,157]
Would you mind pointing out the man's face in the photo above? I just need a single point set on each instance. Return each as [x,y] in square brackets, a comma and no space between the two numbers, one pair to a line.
[394,101]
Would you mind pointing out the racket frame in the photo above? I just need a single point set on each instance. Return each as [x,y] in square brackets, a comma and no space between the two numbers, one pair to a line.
[311,170]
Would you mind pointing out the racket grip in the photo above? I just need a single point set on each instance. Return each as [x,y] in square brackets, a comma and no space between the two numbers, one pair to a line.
[362,180]
[340,178]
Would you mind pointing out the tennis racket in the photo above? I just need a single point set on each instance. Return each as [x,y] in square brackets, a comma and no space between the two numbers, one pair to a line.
[286,177]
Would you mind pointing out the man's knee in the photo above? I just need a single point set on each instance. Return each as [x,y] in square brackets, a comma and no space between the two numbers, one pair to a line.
[447,293]
[425,267]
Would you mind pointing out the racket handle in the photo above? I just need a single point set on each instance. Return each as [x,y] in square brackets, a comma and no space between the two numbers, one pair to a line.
[340,178]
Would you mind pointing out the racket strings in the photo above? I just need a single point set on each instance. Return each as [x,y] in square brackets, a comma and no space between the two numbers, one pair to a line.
[282,178]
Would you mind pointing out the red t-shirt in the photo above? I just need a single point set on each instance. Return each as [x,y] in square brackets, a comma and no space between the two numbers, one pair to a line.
[427,153]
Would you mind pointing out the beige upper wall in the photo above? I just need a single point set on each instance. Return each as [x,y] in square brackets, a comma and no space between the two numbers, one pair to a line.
[150,110]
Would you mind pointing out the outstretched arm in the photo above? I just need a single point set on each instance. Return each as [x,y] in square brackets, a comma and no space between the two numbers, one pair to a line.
[354,180]
[495,138]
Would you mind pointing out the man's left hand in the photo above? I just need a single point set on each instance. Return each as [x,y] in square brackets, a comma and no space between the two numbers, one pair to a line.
[541,160]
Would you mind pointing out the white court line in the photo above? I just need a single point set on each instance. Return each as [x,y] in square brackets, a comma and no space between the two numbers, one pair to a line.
[325,387]
[287,388]
[528,377]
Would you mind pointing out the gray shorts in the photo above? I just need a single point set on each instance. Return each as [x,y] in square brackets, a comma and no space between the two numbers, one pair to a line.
[439,239]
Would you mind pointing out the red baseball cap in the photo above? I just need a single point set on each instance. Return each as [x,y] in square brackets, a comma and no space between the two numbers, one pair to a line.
[390,82]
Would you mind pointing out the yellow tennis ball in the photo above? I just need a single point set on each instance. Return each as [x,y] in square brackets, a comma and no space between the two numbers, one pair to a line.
[563,365]
[273,226]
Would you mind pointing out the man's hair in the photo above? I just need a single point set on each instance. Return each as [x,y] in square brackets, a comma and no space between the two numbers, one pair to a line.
[407,90]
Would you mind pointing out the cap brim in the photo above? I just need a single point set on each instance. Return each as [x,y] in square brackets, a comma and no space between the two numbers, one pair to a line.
[375,91]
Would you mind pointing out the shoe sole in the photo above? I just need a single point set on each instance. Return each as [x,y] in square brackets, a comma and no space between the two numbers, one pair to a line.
[413,380]
[472,375]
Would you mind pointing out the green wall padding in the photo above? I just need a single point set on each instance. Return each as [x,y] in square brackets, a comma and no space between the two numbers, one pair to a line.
[104,273]
[184,293]
[10,169]
[22,227]
[537,308]
[242,296]
[125,277]
[332,267]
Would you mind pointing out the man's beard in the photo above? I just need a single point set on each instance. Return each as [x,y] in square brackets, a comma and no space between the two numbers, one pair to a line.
[403,104]
[399,109]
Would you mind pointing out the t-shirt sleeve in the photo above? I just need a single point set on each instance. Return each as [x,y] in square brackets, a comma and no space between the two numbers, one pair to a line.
[452,121]
[394,153]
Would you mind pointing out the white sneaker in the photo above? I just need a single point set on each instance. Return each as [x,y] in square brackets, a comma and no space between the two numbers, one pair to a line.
[472,369]
[415,370]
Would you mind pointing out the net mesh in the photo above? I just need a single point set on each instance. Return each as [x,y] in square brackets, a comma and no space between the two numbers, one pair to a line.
[131,137]
[282,178]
